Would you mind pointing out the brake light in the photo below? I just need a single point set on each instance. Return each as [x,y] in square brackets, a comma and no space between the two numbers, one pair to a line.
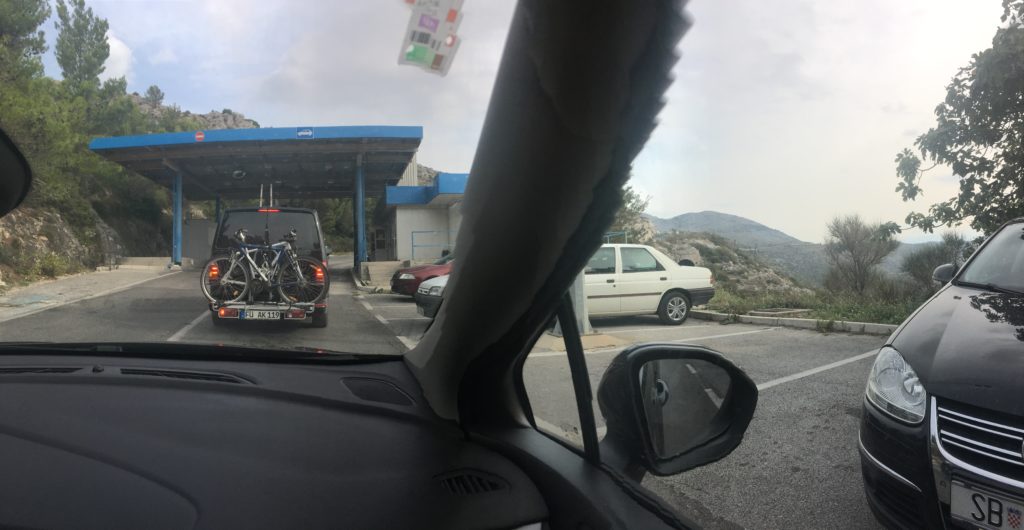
[214,272]
[319,274]
[227,312]
[268,210]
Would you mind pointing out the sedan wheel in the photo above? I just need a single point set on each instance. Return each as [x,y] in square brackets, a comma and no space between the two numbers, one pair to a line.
[674,309]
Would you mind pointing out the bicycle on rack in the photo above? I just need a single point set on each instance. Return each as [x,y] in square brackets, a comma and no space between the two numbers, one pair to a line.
[259,270]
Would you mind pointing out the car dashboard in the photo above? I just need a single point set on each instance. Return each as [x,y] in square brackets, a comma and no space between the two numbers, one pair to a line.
[123,442]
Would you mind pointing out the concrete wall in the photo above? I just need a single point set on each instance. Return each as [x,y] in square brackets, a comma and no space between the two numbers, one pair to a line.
[410,176]
[197,238]
[454,222]
[409,219]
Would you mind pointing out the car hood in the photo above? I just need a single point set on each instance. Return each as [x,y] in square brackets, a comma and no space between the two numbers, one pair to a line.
[434,282]
[968,345]
[423,270]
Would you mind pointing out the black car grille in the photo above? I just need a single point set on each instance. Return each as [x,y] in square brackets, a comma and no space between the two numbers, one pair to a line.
[989,440]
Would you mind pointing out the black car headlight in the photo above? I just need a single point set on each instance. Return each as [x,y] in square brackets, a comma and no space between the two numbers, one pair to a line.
[894,387]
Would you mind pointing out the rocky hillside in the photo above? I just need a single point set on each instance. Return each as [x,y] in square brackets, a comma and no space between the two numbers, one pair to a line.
[734,269]
[806,262]
[222,119]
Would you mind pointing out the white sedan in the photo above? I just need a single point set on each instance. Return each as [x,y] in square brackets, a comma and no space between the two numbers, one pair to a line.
[640,280]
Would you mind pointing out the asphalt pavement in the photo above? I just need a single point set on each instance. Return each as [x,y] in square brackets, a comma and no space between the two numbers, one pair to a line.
[798,466]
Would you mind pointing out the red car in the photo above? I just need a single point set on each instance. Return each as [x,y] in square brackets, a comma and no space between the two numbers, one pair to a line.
[405,281]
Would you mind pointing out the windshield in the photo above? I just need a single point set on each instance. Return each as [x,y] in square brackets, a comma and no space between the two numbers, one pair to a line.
[813,161]
[1001,263]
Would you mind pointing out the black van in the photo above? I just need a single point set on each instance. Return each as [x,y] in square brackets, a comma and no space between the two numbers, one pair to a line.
[267,226]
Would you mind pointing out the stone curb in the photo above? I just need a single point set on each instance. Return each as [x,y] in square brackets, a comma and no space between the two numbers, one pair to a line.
[869,328]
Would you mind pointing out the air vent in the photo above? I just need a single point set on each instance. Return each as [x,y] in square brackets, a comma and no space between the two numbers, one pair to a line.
[471,482]
[192,376]
[10,370]
[377,390]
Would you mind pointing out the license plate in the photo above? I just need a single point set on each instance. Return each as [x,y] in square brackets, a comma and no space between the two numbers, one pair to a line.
[983,509]
[260,315]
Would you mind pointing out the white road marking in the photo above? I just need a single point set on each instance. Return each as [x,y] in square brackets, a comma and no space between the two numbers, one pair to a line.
[689,339]
[188,327]
[713,396]
[90,297]
[382,319]
[690,367]
[409,343]
[812,371]
[366,305]
[410,318]
[652,328]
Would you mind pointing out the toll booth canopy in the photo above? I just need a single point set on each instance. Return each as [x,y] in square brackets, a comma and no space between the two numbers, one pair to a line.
[300,162]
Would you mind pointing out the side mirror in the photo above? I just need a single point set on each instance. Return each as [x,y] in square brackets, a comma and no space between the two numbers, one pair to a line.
[15,175]
[670,408]
[944,273]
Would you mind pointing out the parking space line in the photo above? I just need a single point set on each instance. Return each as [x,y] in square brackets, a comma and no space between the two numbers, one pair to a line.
[409,343]
[366,305]
[690,367]
[812,371]
[188,327]
[689,339]
[382,319]
[713,396]
[652,328]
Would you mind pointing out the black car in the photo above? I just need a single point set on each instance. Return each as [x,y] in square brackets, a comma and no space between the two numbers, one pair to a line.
[942,433]
[270,225]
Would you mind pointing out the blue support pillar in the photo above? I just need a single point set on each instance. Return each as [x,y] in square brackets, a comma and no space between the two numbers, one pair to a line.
[360,225]
[176,242]
[216,212]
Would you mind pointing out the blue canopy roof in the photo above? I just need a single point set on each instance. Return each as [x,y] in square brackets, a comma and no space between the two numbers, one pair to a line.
[310,162]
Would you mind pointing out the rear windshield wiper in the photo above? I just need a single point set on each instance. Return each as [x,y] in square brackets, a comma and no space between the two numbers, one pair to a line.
[987,287]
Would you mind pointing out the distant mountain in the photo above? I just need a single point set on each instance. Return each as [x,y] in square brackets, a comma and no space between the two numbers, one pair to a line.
[806,262]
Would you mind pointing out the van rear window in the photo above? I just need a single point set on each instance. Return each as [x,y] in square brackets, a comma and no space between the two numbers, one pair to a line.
[279,224]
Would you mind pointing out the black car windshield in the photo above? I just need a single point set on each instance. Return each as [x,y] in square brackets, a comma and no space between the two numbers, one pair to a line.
[1001,263]
[279,223]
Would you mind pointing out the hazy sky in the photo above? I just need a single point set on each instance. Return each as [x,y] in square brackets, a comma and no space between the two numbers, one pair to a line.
[786,112]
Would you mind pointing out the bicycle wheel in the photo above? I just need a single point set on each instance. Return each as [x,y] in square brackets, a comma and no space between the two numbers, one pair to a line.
[223,281]
[302,281]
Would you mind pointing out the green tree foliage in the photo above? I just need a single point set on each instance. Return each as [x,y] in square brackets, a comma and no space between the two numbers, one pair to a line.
[154,96]
[52,121]
[979,134]
[920,263]
[854,249]
[81,43]
[21,40]
[629,218]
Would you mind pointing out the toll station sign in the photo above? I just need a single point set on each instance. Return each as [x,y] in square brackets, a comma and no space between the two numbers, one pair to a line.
[431,37]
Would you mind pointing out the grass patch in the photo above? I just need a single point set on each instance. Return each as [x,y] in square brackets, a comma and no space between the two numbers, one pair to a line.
[825,307]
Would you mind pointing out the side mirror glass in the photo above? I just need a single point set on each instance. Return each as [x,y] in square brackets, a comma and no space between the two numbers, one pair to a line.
[15,175]
[670,408]
[944,273]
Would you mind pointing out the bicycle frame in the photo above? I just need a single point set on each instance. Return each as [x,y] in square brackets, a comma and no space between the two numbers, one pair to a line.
[243,256]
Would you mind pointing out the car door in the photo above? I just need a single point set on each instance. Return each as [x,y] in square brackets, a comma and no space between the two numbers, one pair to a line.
[600,283]
[641,282]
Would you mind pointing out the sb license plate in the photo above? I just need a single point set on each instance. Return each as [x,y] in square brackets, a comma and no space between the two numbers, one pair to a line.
[260,315]
[982,509]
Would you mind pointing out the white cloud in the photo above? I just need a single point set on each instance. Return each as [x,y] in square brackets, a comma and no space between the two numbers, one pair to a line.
[119,63]
[166,55]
